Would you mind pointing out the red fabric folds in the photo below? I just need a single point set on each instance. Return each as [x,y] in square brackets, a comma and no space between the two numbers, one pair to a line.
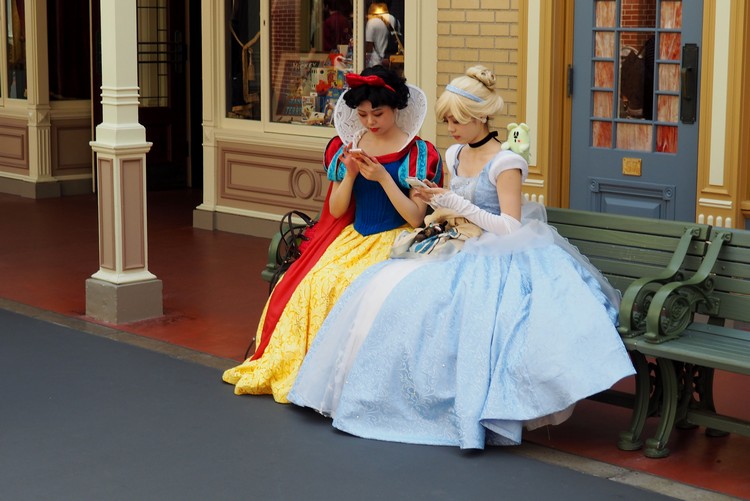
[323,233]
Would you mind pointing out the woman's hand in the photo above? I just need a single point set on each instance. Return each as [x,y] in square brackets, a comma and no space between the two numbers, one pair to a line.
[426,194]
[351,161]
[371,169]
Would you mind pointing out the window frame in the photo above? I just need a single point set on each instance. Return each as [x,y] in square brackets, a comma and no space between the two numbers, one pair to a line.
[266,123]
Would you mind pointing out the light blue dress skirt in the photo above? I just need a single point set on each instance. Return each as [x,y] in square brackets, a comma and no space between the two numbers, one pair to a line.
[467,350]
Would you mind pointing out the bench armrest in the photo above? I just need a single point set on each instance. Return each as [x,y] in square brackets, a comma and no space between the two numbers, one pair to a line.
[273,263]
[672,307]
[637,297]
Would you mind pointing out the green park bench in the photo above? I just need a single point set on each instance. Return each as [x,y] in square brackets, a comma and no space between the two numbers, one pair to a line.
[694,326]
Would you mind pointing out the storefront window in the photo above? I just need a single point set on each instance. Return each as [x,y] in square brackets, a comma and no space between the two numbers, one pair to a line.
[243,59]
[313,44]
[310,56]
[384,34]
[16,40]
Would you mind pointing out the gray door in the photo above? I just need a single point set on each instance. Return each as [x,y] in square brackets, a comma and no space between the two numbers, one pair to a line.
[635,97]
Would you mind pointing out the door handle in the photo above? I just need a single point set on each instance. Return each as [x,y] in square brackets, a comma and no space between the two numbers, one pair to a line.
[689,83]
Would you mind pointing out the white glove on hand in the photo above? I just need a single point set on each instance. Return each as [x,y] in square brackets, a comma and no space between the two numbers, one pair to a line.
[499,225]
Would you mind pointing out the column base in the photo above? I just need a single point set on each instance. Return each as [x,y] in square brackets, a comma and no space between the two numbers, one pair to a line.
[123,303]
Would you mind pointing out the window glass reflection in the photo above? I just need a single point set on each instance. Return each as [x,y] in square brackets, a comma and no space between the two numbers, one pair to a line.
[384,34]
[243,59]
[311,52]
[16,47]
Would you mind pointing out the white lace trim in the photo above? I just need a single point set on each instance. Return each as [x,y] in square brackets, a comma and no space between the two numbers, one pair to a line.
[409,120]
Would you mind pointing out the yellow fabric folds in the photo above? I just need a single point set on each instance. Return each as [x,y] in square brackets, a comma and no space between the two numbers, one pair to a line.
[274,372]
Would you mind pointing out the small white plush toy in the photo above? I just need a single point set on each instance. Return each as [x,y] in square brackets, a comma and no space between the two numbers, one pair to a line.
[518,140]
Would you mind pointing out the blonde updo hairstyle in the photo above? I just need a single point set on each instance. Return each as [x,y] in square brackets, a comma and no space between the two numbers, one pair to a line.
[478,81]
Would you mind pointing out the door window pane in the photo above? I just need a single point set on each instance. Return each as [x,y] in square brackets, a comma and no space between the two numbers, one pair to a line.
[601,134]
[646,81]
[671,14]
[666,139]
[605,14]
[638,13]
[668,109]
[604,75]
[604,44]
[634,136]
[603,104]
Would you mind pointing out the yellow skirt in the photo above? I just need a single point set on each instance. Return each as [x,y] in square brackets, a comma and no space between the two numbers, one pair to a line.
[344,260]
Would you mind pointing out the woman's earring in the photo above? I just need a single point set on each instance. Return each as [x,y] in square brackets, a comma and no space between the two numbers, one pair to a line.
[484,120]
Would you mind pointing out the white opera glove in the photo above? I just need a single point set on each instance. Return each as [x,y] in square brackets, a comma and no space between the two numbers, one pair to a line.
[498,224]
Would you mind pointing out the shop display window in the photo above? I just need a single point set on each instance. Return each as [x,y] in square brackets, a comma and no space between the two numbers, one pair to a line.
[313,44]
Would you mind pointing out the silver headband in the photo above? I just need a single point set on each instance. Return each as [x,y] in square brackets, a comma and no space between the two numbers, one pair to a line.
[461,92]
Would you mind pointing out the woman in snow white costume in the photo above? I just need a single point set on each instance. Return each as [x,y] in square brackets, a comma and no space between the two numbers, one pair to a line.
[368,204]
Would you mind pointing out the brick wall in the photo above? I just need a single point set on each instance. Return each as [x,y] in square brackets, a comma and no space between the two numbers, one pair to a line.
[285,30]
[480,32]
[637,14]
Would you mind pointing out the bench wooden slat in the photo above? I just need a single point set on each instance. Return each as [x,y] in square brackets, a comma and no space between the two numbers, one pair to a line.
[600,221]
[624,239]
[732,305]
[719,350]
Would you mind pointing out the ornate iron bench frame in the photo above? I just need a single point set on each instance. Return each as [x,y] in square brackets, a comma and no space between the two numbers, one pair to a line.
[688,349]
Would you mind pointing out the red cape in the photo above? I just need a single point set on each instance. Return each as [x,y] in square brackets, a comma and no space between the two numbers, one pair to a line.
[321,235]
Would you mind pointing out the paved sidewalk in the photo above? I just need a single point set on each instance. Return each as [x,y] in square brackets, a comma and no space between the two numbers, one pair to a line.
[91,412]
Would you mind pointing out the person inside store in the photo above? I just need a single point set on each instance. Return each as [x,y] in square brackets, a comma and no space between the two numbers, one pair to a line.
[468,348]
[379,34]
[337,27]
[368,203]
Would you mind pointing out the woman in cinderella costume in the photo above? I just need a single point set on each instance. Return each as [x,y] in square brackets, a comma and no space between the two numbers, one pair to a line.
[469,349]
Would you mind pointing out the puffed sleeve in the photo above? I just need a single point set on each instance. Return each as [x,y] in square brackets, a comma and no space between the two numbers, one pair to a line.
[506,160]
[335,169]
[422,162]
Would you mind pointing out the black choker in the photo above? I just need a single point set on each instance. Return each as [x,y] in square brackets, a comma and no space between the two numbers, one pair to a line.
[491,135]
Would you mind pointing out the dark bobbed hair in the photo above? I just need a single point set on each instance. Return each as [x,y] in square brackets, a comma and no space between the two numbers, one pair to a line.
[380,96]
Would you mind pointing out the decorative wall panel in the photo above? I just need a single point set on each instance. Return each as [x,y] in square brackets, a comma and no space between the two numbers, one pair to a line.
[14,146]
[268,179]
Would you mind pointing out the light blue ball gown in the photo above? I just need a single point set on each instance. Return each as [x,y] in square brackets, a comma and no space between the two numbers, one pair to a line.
[468,349]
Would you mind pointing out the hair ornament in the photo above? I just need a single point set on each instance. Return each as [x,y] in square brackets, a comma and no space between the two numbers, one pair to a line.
[463,93]
[355,80]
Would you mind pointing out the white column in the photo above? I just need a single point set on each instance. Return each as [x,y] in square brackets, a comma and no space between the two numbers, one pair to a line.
[203,215]
[123,290]
[37,85]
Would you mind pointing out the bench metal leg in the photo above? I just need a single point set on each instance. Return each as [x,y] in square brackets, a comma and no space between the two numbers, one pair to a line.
[630,440]
[703,378]
[656,447]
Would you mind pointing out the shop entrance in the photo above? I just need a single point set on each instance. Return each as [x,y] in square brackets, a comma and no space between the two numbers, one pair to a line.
[169,88]
[634,137]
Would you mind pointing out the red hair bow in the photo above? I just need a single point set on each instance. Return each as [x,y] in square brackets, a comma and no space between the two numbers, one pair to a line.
[354,80]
